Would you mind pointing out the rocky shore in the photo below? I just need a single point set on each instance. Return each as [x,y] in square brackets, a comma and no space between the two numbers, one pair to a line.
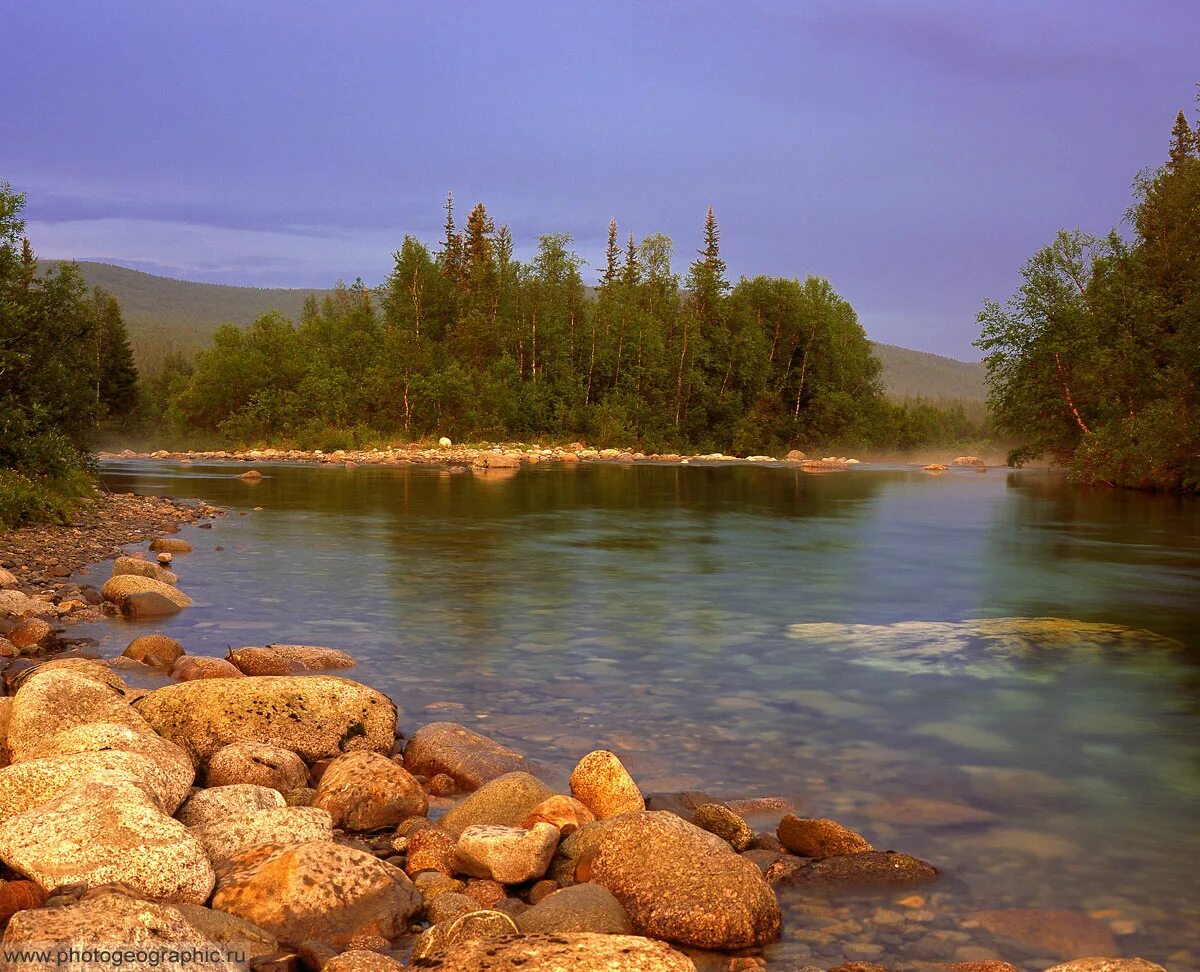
[267,809]
[511,455]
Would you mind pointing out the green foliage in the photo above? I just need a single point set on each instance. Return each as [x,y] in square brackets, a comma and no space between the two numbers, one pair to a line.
[1095,360]
[26,498]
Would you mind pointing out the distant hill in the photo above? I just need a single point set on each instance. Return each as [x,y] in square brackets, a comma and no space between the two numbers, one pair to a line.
[167,315]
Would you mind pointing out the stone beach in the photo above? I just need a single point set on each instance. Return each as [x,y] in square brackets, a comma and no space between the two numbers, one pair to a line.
[275,802]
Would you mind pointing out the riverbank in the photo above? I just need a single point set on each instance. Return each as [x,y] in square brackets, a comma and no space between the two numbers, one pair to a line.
[512,455]
[356,827]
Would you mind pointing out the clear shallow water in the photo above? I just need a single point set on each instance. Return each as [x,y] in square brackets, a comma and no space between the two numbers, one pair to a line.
[648,609]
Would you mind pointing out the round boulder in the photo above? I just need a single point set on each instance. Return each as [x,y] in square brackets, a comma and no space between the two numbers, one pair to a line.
[367,791]
[819,837]
[157,651]
[581,908]
[118,588]
[469,758]
[192,667]
[288,659]
[505,801]
[602,784]
[257,763]
[221,802]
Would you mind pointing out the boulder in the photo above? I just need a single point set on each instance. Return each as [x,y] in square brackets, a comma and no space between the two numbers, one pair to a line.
[224,839]
[1108,965]
[320,890]
[581,908]
[576,952]
[8,580]
[819,837]
[468,757]
[506,801]
[157,651]
[221,802]
[968,461]
[509,855]
[258,763]
[107,829]
[192,667]
[361,960]
[600,782]
[17,604]
[565,813]
[573,862]
[447,937]
[109,916]
[53,701]
[148,604]
[170,545]
[431,849]
[26,635]
[367,791]
[862,871]
[683,884]
[316,716]
[288,659]
[118,588]
[796,456]
[48,768]
[497,460]
[683,803]
[143,568]
[93,668]
[718,819]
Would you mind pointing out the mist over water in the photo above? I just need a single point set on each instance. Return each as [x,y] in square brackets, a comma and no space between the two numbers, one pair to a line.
[671,614]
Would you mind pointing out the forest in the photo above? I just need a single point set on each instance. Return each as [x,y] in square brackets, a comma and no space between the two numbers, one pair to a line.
[1095,360]
[465,340]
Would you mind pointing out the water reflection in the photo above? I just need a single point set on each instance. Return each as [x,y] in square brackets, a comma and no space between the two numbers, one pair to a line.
[647,609]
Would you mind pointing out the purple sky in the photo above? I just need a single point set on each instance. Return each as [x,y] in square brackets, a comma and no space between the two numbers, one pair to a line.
[913,152]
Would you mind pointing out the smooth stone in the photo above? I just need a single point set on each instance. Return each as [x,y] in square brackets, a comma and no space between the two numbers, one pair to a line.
[259,763]
[819,837]
[367,791]
[107,829]
[316,716]
[220,802]
[118,588]
[110,916]
[581,908]
[683,803]
[509,855]
[170,545]
[573,861]
[144,605]
[54,701]
[575,952]
[157,651]
[601,782]
[449,936]
[469,758]
[143,568]
[288,659]
[864,870]
[683,884]
[1108,965]
[320,890]
[720,820]
[432,849]
[565,813]
[26,635]
[192,667]
[448,906]
[226,838]
[505,801]
[1062,933]
[93,668]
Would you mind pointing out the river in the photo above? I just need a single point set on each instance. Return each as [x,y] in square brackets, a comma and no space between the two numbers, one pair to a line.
[761,631]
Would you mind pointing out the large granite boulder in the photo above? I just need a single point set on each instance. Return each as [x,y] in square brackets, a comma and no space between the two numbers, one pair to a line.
[577,952]
[319,890]
[224,839]
[288,659]
[143,568]
[122,586]
[505,801]
[315,716]
[367,791]
[107,829]
[220,802]
[55,700]
[468,757]
[683,884]
[112,917]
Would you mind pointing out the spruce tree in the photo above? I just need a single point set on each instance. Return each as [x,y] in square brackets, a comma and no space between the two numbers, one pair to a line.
[631,273]
[1183,141]
[118,375]
[612,254]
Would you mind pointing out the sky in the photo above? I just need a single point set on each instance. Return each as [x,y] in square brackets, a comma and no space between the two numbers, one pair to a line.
[914,153]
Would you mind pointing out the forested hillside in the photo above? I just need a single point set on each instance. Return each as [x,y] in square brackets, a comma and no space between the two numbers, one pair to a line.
[165,315]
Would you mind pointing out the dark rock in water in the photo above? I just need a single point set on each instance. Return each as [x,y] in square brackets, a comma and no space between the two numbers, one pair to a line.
[726,824]
[683,884]
[682,804]
[866,870]
[468,757]
[820,838]
[148,604]
[170,545]
[922,812]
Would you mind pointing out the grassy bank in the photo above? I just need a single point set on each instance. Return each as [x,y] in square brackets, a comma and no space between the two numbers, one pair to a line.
[26,498]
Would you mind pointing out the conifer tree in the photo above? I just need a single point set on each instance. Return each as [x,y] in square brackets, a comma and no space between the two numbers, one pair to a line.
[1183,141]
[612,253]
[117,374]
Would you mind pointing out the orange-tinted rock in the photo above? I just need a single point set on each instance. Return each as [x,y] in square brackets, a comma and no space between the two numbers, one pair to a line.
[367,791]
[257,763]
[288,659]
[158,651]
[431,849]
[468,757]
[29,633]
[602,784]
[819,837]
[565,813]
[868,869]
[192,667]
[170,545]
[17,896]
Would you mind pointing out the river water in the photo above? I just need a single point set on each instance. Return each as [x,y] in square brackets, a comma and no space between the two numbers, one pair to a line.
[760,631]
